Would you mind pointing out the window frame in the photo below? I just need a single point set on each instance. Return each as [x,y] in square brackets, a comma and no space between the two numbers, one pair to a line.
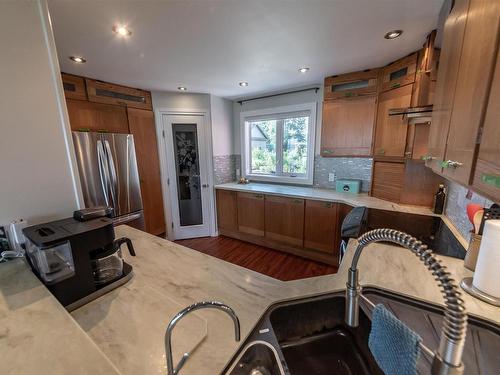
[288,178]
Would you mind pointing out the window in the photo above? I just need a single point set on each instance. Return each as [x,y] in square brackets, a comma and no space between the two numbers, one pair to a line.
[278,144]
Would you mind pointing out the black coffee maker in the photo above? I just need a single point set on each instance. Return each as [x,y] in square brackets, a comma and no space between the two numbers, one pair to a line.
[78,261]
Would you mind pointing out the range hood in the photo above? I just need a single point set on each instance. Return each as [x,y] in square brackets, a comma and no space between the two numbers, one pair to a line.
[415,115]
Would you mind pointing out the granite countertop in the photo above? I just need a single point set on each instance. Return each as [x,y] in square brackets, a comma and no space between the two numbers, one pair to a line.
[330,195]
[123,330]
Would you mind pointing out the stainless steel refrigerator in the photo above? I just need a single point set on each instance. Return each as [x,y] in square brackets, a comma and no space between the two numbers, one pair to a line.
[108,174]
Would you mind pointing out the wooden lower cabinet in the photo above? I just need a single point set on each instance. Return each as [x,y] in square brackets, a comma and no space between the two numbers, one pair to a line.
[322,227]
[90,116]
[284,220]
[227,210]
[306,228]
[251,213]
[142,126]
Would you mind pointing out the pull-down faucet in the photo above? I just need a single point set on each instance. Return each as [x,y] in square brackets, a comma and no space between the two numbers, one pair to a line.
[171,370]
[448,356]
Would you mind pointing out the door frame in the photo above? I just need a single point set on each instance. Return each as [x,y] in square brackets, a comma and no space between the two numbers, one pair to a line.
[164,170]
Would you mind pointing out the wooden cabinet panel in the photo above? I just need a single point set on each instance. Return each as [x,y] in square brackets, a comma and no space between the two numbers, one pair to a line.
[388,180]
[109,93]
[390,132]
[284,218]
[227,211]
[142,126]
[347,128]
[322,227]
[251,215]
[420,184]
[97,117]
[473,84]
[399,73]
[487,172]
[449,61]
[74,87]
[351,84]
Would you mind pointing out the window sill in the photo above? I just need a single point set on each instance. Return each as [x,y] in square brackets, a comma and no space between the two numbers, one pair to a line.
[281,179]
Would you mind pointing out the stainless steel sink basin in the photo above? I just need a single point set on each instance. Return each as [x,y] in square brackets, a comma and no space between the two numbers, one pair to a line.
[308,337]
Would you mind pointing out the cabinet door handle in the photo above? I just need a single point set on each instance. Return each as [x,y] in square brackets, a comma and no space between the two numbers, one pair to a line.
[327,205]
[395,84]
[451,164]
[258,196]
[297,201]
[491,179]
[381,151]
[428,157]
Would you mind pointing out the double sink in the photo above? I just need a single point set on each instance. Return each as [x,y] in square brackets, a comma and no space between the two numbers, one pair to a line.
[308,336]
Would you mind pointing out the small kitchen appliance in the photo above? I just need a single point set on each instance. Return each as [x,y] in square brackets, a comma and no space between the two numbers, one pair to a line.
[77,261]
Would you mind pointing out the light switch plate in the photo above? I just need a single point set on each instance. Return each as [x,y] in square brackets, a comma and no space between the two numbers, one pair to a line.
[331,177]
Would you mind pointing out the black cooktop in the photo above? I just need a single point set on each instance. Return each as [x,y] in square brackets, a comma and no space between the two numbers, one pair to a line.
[431,230]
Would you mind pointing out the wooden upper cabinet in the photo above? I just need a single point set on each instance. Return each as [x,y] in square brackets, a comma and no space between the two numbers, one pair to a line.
[142,126]
[227,211]
[347,128]
[390,131]
[88,116]
[399,73]
[351,84]
[449,62]
[109,93]
[251,214]
[475,73]
[322,227]
[285,220]
[487,173]
[74,87]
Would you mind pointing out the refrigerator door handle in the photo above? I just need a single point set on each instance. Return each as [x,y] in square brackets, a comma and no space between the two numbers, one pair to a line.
[112,174]
[103,170]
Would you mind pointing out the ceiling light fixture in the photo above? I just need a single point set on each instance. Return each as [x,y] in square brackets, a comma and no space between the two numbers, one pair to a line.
[121,30]
[304,70]
[243,84]
[182,88]
[78,59]
[393,34]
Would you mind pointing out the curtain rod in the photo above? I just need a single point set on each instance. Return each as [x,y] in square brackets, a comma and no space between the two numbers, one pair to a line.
[273,95]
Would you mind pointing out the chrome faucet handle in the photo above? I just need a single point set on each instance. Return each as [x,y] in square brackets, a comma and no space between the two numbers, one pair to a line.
[448,356]
[171,370]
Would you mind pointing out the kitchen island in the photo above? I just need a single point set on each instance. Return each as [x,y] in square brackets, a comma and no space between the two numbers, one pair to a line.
[123,330]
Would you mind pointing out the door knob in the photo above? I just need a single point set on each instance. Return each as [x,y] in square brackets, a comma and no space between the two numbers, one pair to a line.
[204,185]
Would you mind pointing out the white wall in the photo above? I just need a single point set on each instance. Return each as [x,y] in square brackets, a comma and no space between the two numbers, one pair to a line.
[278,101]
[222,125]
[36,153]
[180,101]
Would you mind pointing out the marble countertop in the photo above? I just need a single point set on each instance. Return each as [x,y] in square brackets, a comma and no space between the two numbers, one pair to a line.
[122,332]
[330,195]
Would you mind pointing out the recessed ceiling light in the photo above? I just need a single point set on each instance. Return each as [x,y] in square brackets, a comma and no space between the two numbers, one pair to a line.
[393,34]
[78,59]
[303,70]
[243,84]
[182,88]
[122,30]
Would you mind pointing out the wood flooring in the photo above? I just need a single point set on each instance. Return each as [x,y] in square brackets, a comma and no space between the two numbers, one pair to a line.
[276,264]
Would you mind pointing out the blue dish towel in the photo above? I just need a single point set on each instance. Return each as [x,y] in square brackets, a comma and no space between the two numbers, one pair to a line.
[394,346]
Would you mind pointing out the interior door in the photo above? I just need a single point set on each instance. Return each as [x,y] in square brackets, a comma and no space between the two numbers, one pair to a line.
[187,175]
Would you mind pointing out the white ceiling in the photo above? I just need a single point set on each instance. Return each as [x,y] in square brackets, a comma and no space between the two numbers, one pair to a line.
[210,45]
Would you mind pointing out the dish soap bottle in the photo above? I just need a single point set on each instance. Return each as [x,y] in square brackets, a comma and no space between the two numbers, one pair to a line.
[439,199]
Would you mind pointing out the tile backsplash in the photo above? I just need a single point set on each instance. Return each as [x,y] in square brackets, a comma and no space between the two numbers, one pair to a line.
[351,168]
[225,168]
[456,206]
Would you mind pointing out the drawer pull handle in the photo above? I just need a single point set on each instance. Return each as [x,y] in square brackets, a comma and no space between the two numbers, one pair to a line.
[491,179]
